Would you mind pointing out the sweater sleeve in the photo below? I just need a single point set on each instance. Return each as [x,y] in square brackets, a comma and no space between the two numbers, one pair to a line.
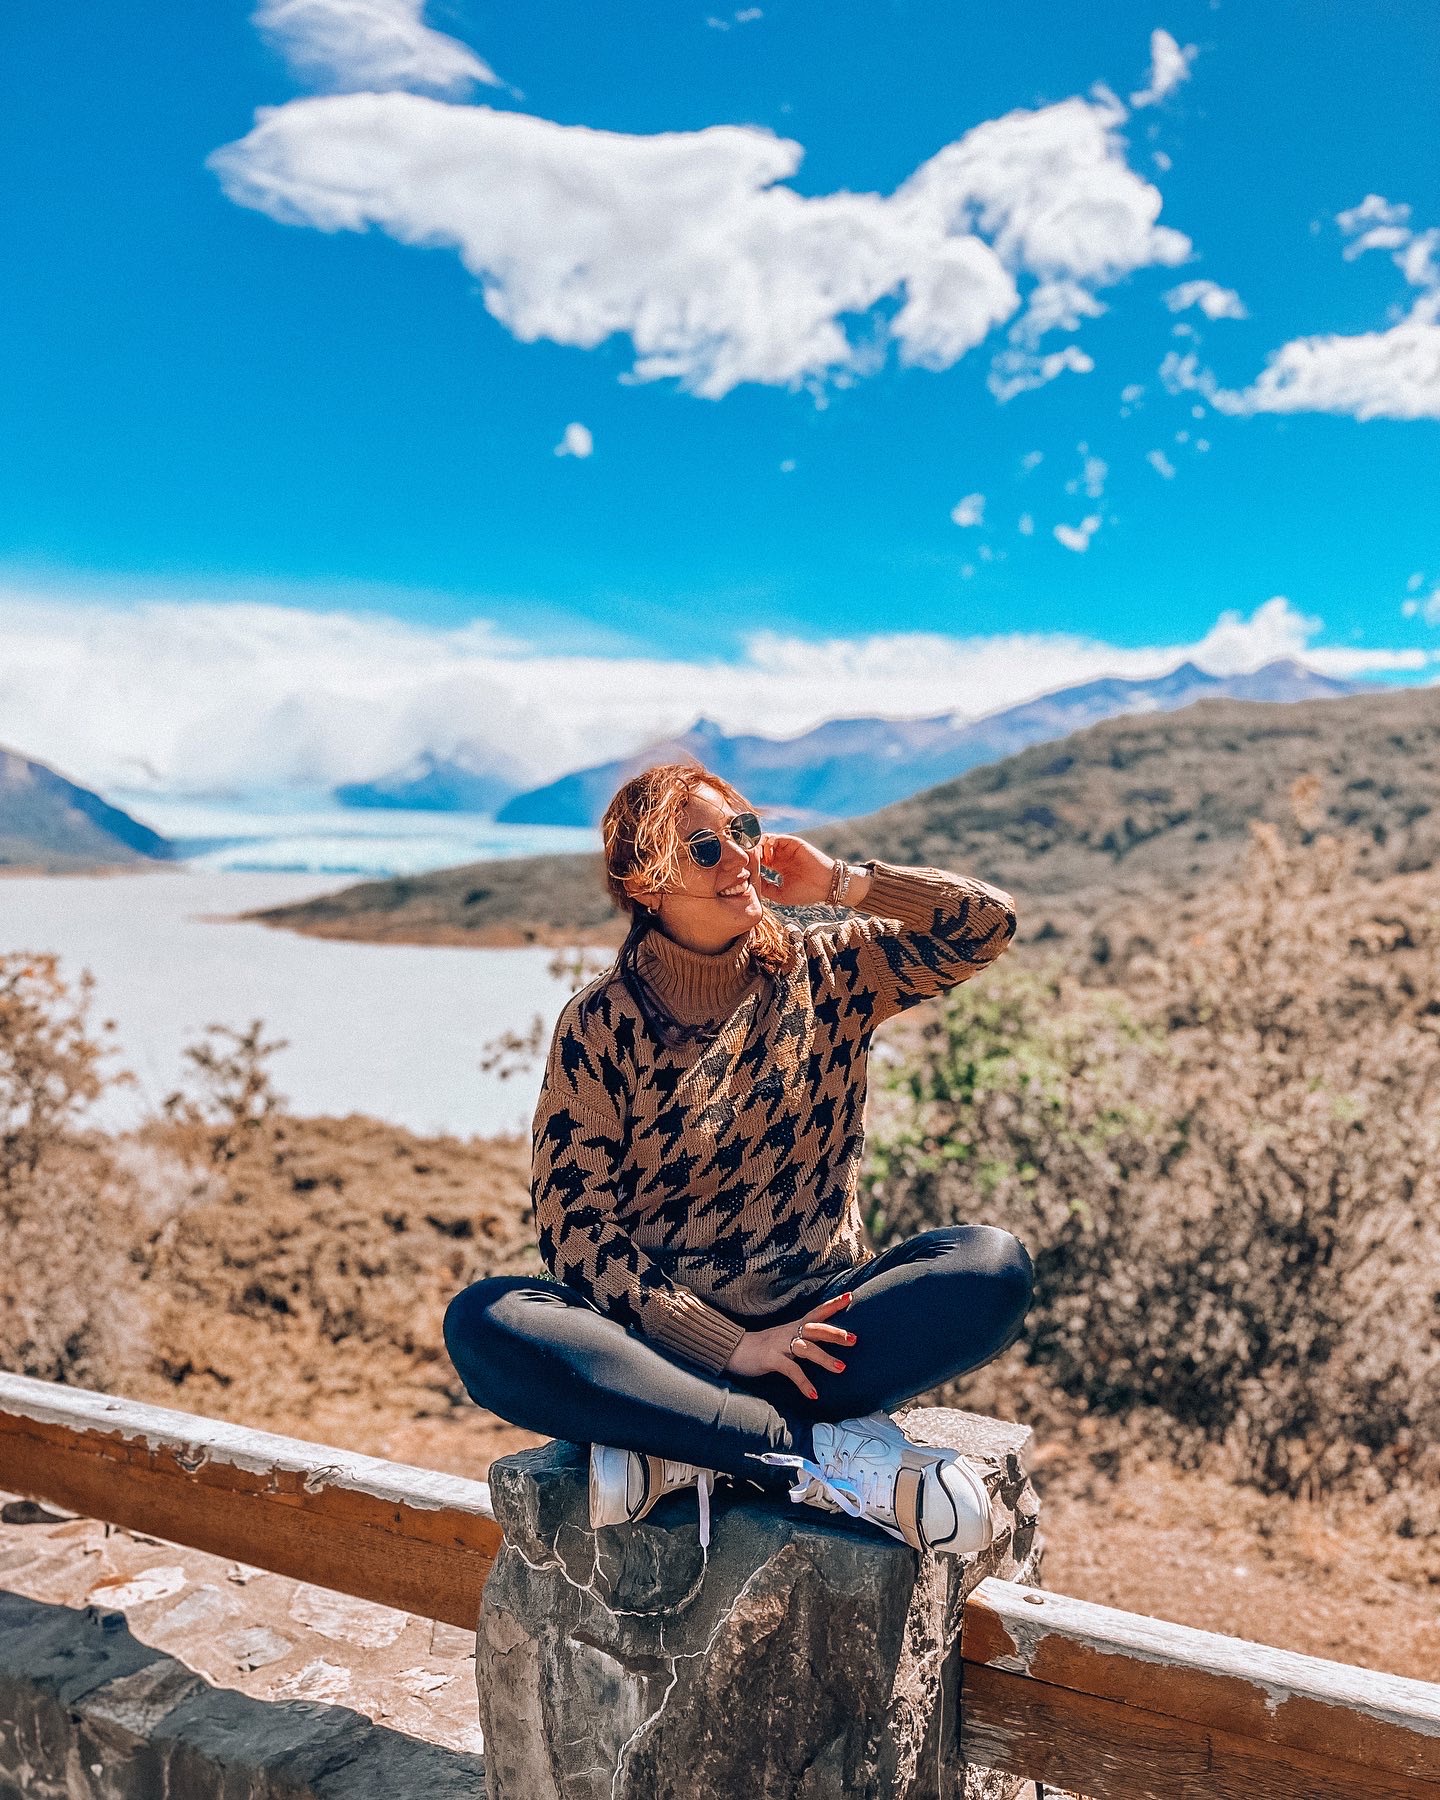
[578,1147]
[927,931]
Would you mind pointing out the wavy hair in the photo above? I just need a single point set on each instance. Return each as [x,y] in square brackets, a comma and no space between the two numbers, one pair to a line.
[640,835]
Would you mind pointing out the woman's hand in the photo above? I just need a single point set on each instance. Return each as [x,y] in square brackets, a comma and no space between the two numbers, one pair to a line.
[804,871]
[778,1349]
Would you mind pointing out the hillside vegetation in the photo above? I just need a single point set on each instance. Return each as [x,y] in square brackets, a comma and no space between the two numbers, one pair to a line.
[1157,802]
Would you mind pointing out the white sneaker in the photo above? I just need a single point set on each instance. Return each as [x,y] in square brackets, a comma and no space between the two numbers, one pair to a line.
[624,1485]
[929,1497]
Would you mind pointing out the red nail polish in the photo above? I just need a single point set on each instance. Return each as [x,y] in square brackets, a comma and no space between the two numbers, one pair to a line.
[850,1337]
[813,1394]
[839,1366]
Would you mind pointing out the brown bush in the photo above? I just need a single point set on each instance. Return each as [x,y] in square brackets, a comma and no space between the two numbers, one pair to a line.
[1224,1162]
[67,1308]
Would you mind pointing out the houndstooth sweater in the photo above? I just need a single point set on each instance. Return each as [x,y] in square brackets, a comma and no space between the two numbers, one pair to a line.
[685,1189]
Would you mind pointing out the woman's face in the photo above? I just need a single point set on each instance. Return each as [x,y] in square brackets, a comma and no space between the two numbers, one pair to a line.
[711,907]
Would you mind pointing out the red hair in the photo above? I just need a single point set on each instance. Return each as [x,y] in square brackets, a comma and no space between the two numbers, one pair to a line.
[644,852]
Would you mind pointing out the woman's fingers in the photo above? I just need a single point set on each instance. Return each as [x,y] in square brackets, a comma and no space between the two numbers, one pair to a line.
[800,1346]
[828,1308]
[826,1334]
[788,1366]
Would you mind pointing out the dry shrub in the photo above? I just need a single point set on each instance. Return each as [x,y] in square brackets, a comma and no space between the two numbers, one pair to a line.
[67,1309]
[1224,1163]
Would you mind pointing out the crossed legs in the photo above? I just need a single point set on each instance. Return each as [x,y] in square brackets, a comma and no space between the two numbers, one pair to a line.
[924,1311]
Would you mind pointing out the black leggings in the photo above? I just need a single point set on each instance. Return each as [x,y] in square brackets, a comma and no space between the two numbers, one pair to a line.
[925,1311]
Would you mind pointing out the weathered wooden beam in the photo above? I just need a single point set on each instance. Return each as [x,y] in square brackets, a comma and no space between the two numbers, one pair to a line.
[384,1531]
[1121,1707]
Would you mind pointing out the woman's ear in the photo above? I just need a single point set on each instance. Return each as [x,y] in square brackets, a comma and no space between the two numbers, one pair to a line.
[649,901]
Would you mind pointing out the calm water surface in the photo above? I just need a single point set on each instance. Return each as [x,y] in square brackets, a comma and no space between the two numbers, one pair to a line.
[391,1030]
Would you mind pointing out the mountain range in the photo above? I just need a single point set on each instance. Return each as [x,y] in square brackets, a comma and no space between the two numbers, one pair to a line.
[848,767]
[1155,805]
[55,825]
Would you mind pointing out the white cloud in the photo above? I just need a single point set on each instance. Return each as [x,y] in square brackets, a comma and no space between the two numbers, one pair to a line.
[1054,306]
[1390,374]
[1025,525]
[370,45]
[1214,301]
[1374,209]
[692,244]
[1161,464]
[1428,609]
[207,697]
[1416,582]
[970,510]
[746,16]
[1031,460]
[1017,372]
[1169,66]
[578,440]
[1077,537]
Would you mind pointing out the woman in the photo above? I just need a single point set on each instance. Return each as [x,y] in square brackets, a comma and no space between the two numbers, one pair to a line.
[697,1146]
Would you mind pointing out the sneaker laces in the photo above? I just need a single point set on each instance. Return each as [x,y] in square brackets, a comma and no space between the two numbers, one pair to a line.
[814,1486]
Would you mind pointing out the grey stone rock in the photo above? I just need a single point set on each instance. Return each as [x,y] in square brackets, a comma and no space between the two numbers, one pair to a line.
[806,1658]
[87,1712]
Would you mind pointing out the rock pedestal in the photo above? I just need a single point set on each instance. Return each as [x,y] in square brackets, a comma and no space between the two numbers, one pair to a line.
[806,1658]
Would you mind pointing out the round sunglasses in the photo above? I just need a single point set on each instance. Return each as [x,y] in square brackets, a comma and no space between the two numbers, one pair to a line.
[706,849]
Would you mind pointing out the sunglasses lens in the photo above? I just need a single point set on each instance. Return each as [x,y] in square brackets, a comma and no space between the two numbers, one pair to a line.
[745,829]
[704,848]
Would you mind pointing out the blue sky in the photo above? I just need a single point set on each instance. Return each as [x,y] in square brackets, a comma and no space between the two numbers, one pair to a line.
[300,442]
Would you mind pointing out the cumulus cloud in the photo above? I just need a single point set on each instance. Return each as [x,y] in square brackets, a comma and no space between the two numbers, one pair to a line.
[1393,374]
[1214,301]
[1093,473]
[1025,525]
[1428,609]
[1389,374]
[350,45]
[693,245]
[578,440]
[1169,66]
[970,510]
[200,697]
[1161,464]
[1018,371]
[1077,537]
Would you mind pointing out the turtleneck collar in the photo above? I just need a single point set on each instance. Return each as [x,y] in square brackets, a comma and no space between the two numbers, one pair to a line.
[694,987]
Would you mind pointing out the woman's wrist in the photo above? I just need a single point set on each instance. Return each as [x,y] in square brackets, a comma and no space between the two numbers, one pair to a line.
[849,883]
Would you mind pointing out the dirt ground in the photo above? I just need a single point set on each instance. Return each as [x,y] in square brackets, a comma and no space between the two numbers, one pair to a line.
[300,1288]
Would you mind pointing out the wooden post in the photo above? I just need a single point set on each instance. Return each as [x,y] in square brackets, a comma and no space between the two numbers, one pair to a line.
[383,1531]
[1120,1707]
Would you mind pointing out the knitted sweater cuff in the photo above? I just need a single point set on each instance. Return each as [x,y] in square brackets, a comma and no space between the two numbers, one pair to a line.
[913,896]
[683,1322]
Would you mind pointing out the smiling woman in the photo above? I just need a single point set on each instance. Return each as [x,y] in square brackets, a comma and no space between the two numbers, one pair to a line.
[696,1158]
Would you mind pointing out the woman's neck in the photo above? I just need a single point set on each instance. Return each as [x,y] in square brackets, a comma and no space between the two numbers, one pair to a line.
[692,984]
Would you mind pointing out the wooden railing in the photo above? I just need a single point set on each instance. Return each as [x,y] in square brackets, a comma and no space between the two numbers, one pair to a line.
[384,1531]
[1116,1706]
[1082,1697]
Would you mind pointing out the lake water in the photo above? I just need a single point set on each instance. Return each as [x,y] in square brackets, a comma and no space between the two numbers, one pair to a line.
[391,1030]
